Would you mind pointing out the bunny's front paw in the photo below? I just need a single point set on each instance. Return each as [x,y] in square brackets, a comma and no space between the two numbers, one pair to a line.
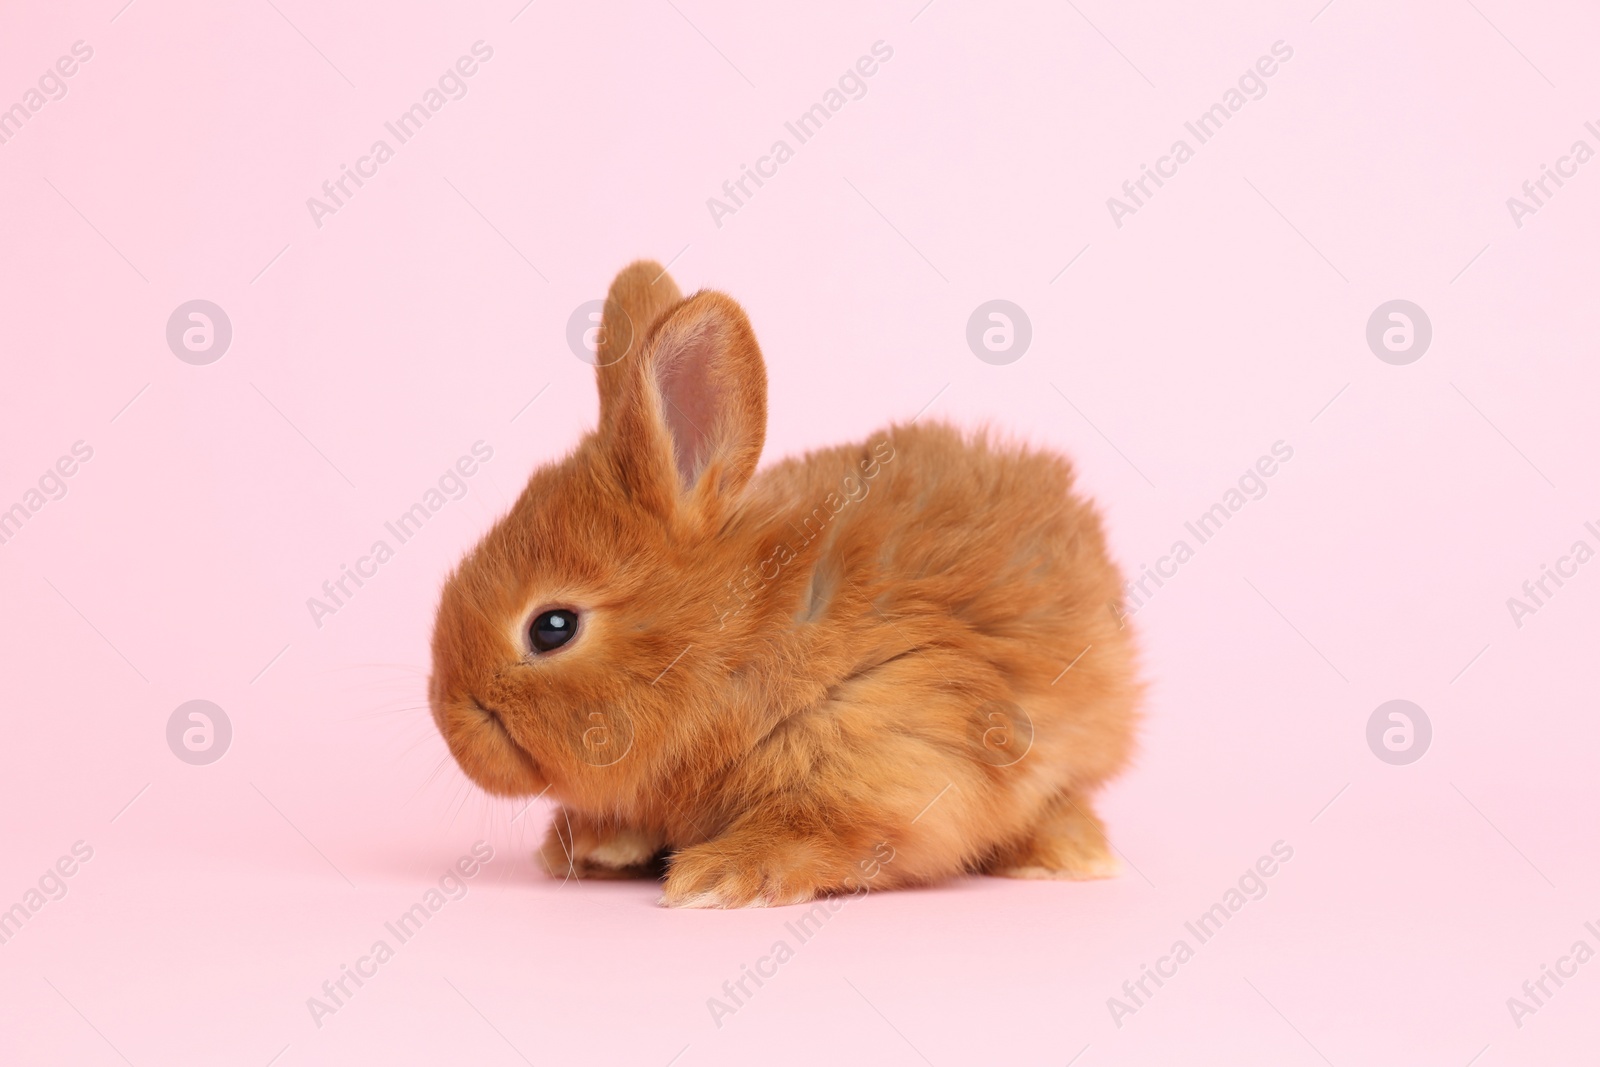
[733,873]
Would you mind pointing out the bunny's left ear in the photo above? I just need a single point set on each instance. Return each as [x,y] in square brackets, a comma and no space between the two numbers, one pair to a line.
[711,382]
[691,412]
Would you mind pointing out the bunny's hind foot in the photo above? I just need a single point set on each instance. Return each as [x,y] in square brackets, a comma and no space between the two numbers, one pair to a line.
[578,847]
[1068,842]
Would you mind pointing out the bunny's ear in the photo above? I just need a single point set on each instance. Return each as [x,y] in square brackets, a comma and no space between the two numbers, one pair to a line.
[708,371]
[639,295]
[692,416]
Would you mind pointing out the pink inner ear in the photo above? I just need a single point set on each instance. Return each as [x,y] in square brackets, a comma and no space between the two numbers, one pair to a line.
[691,401]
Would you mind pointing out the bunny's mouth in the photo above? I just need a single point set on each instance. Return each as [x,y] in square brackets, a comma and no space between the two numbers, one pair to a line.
[498,724]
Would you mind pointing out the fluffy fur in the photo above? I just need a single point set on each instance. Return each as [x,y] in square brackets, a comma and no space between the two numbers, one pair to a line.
[849,671]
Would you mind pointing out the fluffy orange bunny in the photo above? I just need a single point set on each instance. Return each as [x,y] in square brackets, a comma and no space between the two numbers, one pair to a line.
[880,665]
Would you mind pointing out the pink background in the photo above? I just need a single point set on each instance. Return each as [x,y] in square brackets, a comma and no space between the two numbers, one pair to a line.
[1223,316]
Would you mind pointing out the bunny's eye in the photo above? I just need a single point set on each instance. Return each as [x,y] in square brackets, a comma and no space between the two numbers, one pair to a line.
[552,629]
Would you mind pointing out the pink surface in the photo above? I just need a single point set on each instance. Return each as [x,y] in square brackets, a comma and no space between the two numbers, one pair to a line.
[1226,313]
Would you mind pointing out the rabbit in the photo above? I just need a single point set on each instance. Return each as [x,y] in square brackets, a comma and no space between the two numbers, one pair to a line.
[877,666]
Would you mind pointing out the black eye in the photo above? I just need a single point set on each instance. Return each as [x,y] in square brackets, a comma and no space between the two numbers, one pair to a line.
[552,629]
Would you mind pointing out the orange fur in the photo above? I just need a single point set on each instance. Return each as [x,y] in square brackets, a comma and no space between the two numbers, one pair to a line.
[846,672]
